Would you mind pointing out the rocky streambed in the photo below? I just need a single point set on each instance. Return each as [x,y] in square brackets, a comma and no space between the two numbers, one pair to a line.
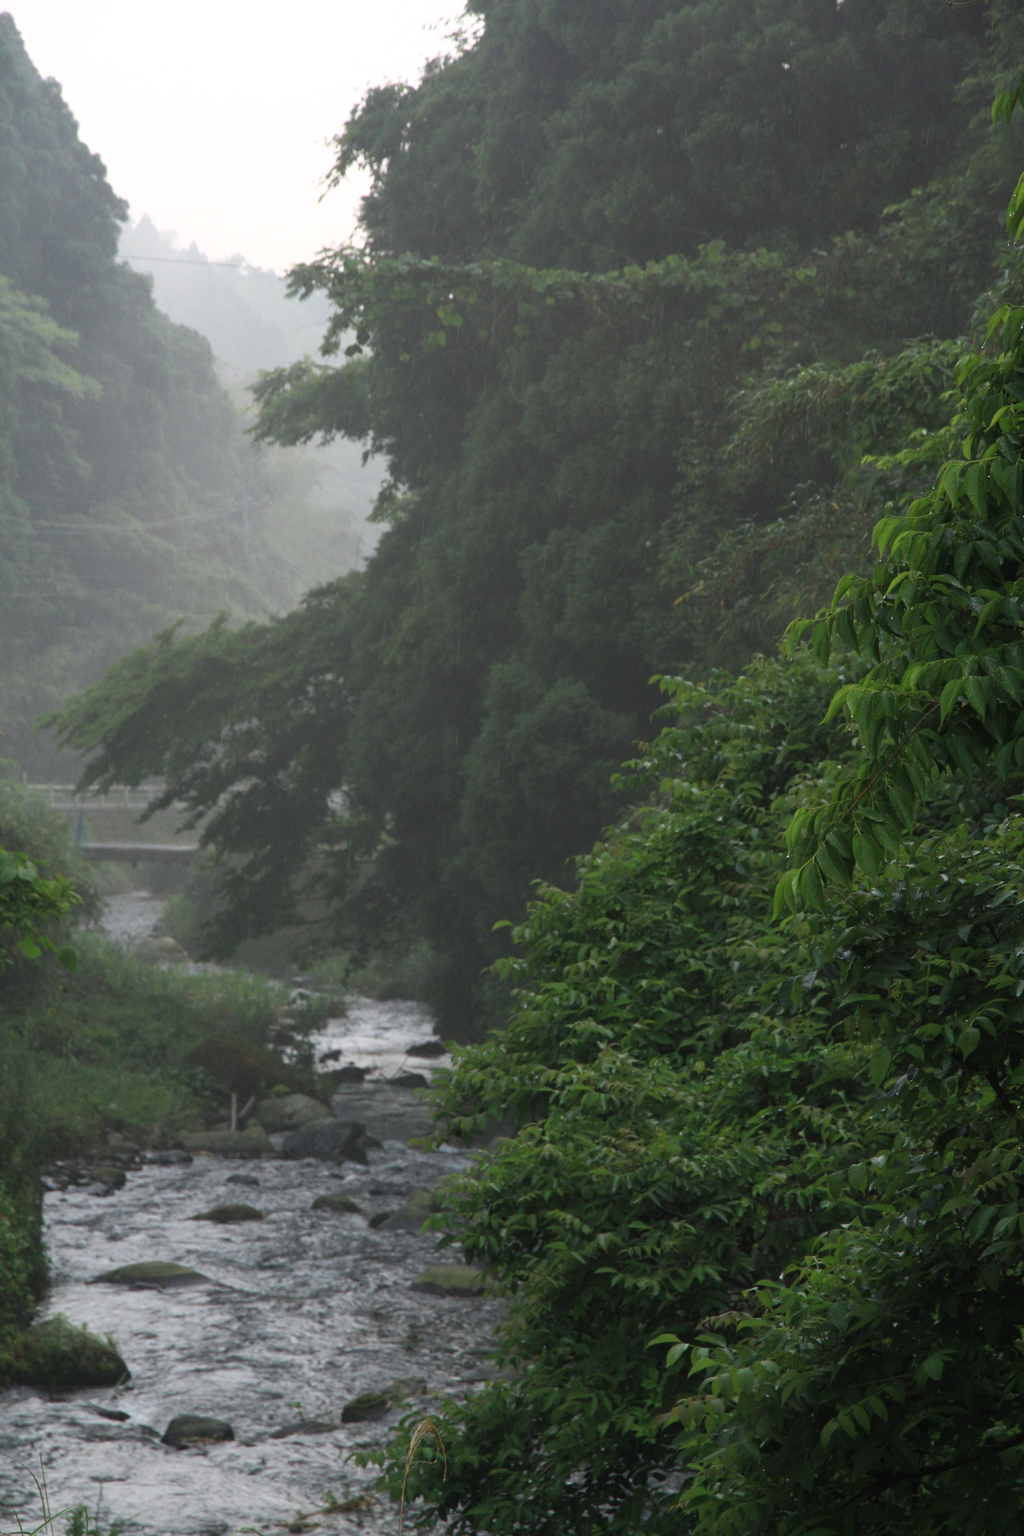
[298,1315]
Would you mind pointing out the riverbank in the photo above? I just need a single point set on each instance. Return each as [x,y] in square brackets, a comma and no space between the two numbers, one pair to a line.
[299,1312]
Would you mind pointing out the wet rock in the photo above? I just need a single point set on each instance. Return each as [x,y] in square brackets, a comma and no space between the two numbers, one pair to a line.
[251,1142]
[108,1174]
[419,1204]
[59,1357]
[428,1049]
[290,1111]
[116,1415]
[340,1203]
[380,1218]
[333,1140]
[228,1215]
[171,1159]
[334,1055]
[195,1429]
[366,1408]
[303,1427]
[408,1080]
[249,1179]
[451,1280]
[156,1274]
[349,1074]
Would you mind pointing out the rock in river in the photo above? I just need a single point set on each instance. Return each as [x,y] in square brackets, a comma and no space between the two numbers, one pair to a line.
[336,1141]
[340,1203]
[419,1204]
[290,1111]
[194,1429]
[157,1275]
[243,1178]
[303,1427]
[451,1280]
[59,1357]
[367,1407]
[113,1177]
[227,1215]
[428,1049]
[252,1142]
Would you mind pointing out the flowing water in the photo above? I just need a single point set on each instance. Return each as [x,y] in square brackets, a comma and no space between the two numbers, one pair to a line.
[301,1312]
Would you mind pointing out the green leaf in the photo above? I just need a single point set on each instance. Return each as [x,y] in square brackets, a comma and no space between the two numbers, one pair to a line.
[879,1065]
[868,854]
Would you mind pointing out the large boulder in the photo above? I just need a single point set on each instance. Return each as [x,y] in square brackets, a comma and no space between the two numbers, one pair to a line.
[59,1357]
[290,1111]
[154,1275]
[335,1141]
[228,1215]
[195,1429]
[252,1142]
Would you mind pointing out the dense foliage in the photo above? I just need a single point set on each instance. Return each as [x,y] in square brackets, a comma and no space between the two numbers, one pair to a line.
[602,248]
[788,1149]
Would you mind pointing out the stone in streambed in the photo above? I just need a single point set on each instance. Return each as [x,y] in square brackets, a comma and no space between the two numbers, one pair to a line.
[227,1215]
[303,1427]
[155,1274]
[290,1111]
[59,1357]
[340,1203]
[419,1204]
[451,1280]
[366,1408]
[252,1142]
[428,1050]
[335,1141]
[107,1174]
[243,1178]
[195,1429]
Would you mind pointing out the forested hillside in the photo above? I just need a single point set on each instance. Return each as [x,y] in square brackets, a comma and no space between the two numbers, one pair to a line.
[129,494]
[640,286]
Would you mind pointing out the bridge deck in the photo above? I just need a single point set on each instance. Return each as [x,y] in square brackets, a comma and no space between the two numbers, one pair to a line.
[140,853]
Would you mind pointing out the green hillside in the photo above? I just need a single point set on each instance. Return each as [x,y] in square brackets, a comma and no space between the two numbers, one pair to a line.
[129,494]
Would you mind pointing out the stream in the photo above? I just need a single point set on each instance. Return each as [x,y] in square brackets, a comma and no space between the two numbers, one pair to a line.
[303,1311]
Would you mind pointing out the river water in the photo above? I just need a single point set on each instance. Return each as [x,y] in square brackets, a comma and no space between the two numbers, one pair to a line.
[302,1312]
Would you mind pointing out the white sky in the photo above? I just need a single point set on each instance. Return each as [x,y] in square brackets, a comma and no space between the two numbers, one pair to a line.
[212,115]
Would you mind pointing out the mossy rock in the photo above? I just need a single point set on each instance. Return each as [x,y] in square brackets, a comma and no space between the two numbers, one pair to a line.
[340,1203]
[190,1429]
[59,1357]
[108,1174]
[303,1427]
[156,1274]
[451,1280]
[367,1407]
[227,1215]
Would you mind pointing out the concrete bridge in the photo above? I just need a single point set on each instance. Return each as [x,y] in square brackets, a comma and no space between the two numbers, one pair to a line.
[126,806]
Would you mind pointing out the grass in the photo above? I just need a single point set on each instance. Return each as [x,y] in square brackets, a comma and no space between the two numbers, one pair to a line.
[107,1045]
